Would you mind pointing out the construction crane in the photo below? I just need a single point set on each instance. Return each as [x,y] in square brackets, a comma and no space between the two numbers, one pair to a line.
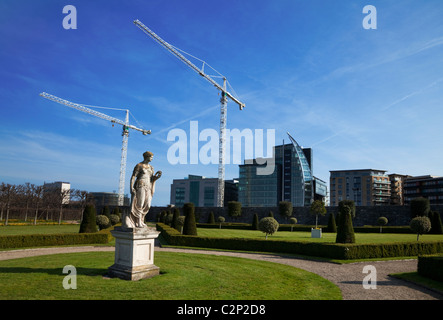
[223,110]
[125,134]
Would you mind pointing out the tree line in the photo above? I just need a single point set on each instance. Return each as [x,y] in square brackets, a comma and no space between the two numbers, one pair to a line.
[36,202]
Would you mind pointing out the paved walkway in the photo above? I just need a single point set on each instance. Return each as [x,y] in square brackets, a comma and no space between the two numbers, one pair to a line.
[348,277]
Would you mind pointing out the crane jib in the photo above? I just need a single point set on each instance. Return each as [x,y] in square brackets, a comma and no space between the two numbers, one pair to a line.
[170,48]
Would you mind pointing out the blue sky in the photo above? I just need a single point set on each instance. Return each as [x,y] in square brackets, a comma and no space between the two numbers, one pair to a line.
[360,98]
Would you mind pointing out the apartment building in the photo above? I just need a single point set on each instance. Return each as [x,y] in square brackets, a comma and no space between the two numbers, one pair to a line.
[397,194]
[430,187]
[366,187]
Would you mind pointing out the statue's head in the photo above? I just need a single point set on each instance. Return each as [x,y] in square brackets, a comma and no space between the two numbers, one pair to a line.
[147,155]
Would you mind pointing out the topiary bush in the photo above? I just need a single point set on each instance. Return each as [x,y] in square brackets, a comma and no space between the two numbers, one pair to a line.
[255,222]
[169,218]
[268,225]
[317,208]
[106,212]
[88,224]
[420,225]
[117,212]
[114,219]
[211,218]
[382,221]
[345,230]
[179,223]
[420,207]
[220,220]
[163,215]
[285,209]
[293,222]
[436,226]
[332,226]
[348,203]
[234,209]
[175,216]
[102,221]
[190,227]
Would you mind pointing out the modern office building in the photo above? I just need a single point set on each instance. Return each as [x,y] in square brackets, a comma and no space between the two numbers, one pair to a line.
[320,190]
[429,187]
[291,180]
[366,187]
[201,191]
[257,190]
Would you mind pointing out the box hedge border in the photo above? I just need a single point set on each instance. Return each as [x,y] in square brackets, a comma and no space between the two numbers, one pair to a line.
[307,228]
[325,250]
[431,266]
[44,240]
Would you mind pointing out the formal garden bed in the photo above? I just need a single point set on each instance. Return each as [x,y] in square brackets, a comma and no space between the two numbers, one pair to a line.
[308,247]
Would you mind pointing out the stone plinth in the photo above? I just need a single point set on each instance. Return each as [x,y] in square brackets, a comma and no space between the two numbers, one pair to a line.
[316,233]
[134,254]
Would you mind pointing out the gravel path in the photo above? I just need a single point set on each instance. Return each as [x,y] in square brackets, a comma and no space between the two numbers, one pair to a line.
[348,277]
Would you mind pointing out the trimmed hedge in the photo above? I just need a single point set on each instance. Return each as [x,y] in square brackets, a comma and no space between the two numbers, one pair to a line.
[326,250]
[43,240]
[307,228]
[431,266]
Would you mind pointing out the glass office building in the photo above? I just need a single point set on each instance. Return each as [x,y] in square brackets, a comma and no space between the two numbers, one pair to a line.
[255,190]
[201,191]
[291,180]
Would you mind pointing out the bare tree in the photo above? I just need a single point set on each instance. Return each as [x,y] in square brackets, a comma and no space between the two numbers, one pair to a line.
[38,199]
[82,197]
[8,193]
[49,201]
[25,193]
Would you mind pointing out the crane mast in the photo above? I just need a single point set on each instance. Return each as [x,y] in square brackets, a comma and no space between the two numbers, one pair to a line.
[223,101]
[125,134]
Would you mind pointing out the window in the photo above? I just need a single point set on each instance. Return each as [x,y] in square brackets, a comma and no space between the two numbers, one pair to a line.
[179,196]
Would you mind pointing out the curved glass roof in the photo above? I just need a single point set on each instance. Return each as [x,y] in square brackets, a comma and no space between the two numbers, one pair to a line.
[303,162]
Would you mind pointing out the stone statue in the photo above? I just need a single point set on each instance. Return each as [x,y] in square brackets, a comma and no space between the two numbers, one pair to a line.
[142,186]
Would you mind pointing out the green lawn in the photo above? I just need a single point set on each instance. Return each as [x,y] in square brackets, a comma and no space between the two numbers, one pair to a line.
[183,276]
[306,236]
[420,280]
[236,233]
[39,229]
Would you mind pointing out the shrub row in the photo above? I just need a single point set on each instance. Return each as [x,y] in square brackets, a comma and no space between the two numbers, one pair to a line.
[431,266]
[173,237]
[326,250]
[41,240]
[307,228]
[248,226]
[388,250]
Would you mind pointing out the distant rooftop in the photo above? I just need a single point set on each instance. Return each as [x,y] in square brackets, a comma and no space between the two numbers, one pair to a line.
[358,170]
[423,177]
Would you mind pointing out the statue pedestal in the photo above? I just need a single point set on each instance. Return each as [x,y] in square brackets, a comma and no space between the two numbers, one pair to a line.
[134,254]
